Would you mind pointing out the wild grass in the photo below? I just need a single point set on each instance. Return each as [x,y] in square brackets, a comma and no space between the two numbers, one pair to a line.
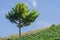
[52,33]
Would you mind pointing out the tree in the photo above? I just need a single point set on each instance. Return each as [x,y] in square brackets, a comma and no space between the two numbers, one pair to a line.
[21,16]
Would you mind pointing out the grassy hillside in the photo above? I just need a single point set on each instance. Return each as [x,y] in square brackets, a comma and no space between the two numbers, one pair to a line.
[52,33]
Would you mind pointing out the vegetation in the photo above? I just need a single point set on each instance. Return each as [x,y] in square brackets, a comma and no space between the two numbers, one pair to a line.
[22,16]
[52,33]
[52,25]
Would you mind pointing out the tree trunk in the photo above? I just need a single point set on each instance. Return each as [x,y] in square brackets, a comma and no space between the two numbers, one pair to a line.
[19,28]
[19,32]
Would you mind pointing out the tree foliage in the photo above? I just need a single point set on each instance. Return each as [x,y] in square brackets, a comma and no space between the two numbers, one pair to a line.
[21,13]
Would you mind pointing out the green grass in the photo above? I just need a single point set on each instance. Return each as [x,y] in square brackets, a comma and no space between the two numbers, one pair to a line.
[52,33]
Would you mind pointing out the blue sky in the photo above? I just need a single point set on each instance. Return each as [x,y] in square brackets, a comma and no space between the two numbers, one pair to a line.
[49,11]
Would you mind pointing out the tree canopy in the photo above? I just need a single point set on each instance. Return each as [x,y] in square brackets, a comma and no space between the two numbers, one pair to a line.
[21,13]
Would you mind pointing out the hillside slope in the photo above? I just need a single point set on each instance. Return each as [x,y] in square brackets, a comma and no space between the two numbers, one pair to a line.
[52,33]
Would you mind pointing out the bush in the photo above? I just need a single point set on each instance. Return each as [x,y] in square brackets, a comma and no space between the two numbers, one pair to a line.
[52,25]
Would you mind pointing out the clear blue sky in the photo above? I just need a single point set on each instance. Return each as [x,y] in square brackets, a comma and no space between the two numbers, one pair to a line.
[49,11]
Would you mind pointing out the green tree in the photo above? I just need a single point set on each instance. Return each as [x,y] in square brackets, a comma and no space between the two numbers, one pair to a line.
[22,16]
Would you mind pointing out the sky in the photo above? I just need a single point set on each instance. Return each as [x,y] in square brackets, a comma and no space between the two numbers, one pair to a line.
[49,13]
